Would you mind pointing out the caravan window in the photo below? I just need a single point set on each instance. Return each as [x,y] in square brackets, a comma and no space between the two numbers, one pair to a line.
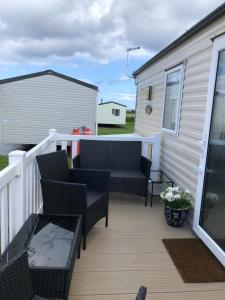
[116,112]
[173,93]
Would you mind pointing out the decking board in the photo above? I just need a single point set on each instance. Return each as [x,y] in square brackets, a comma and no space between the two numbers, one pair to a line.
[130,253]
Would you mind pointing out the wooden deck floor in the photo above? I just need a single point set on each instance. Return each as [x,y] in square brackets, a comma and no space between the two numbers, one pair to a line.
[130,253]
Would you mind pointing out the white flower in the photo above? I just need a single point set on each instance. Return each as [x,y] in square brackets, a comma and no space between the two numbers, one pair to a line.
[162,195]
[170,197]
[176,189]
[178,194]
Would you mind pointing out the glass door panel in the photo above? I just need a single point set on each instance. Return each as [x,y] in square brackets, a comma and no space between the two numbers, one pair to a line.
[212,217]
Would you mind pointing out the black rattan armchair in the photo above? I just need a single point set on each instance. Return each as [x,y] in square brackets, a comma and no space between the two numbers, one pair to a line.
[15,280]
[141,293]
[73,191]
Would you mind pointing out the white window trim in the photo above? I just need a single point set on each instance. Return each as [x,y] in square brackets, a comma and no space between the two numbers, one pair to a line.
[178,112]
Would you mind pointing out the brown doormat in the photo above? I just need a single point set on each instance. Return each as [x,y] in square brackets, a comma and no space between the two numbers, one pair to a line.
[194,261]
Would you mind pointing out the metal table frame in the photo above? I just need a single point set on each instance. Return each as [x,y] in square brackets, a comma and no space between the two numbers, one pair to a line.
[163,179]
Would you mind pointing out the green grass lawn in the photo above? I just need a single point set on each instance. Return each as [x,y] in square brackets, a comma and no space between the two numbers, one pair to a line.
[128,128]
[3,161]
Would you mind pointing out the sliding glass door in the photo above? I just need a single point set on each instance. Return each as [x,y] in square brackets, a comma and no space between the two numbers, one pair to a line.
[209,221]
[212,217]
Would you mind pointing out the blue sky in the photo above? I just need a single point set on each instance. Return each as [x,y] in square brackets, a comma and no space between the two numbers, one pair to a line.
[87,39]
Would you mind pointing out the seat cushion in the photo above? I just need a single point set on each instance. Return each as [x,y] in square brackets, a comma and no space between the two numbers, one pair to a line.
[133,182]
[94,196]
[38,298]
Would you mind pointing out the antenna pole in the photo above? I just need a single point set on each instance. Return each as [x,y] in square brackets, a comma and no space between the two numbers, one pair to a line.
[128,50]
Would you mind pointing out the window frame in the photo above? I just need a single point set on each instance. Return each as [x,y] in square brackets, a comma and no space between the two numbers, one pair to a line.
[116,112]
[178,112]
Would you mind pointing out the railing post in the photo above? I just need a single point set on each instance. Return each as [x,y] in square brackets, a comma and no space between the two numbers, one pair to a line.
[156,153]
[18,190]
[145,149]
[52,133]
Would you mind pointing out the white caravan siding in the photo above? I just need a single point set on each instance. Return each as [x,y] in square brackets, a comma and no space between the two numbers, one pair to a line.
[180,154]
[30,107]
[105,115]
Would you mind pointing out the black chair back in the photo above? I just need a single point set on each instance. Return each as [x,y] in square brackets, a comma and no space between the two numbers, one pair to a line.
[54,166]
[125,155]
[110,155]
[15,280]
[95,154]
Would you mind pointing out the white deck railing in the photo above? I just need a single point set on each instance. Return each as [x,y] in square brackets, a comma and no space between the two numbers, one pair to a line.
[20,191]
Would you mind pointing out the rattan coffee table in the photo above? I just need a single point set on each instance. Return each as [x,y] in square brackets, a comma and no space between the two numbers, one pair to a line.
[52,243]
[52,251]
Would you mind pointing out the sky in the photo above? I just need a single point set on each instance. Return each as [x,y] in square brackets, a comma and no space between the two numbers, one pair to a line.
[87,39]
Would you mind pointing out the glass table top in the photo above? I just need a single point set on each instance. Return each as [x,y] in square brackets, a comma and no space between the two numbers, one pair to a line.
[51,241]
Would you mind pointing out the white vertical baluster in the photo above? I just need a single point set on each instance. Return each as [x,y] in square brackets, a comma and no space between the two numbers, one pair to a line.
[52,132]
[12,209]
[4,204]
[74,149]
[30,189]
[64,145]
[38,187]
[33,187]
[27,194]
[19,187]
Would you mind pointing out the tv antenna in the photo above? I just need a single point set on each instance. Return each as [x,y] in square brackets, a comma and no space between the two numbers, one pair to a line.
[128,50]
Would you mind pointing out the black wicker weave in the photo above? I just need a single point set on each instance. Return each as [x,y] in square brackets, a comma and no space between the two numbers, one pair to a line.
[141,293]
[49,280]
[73,191]
[130,171]
[15,280]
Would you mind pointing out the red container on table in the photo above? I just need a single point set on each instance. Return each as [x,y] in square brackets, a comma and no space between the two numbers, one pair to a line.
[87,131]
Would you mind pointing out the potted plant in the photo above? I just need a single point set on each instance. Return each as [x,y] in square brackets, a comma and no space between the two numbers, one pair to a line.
[177,203]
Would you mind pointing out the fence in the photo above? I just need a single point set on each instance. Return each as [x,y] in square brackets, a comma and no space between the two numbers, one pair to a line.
[20,192]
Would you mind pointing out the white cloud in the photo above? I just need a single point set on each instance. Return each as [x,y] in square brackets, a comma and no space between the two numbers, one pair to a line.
[98,30]
[123,97]
[124,77]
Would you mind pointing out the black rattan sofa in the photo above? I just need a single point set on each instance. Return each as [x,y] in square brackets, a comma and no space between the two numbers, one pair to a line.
[15,280]
[73,191]
[130,171]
